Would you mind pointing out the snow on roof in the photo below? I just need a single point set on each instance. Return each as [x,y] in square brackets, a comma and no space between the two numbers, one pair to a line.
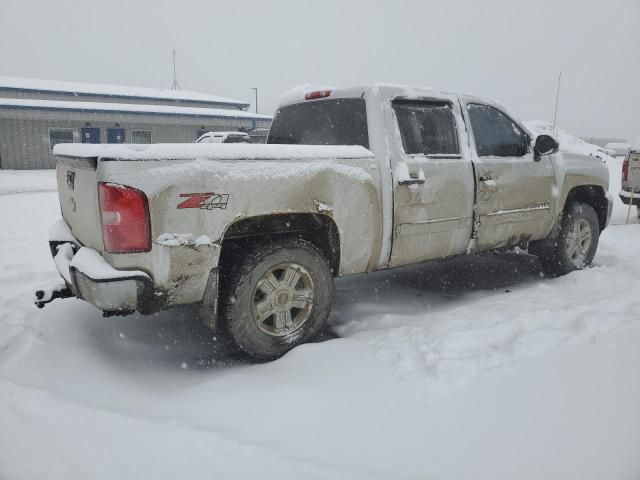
[214,151]
[53,86]
[297,94]
[127,108]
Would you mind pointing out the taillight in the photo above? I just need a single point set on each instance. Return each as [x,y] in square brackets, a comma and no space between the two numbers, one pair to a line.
[317,94]
[124,213]
[625,169]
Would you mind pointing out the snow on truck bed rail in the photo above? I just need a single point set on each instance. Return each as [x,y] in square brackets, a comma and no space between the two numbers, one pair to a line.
[213,151]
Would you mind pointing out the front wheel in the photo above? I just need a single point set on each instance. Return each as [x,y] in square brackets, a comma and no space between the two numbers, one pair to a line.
[276,297]
[577,241]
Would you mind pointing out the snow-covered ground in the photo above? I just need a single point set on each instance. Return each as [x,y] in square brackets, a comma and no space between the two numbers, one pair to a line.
[468,369]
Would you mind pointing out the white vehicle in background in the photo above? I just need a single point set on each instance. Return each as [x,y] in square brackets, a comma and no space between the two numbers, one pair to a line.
[351,181]
[619,148]
[224,137]
[630,191]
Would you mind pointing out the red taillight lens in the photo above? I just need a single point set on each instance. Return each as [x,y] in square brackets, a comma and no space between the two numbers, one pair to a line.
[124,212]
[625,169]
[318,94]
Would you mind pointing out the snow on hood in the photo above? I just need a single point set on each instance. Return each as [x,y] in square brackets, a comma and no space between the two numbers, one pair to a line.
[214,151]
[568,143]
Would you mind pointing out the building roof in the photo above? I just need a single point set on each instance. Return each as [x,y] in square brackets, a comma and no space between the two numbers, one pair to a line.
[52,86]
[127,108]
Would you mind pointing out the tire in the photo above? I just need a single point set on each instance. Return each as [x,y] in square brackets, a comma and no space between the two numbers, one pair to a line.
[276,296]
[577,241]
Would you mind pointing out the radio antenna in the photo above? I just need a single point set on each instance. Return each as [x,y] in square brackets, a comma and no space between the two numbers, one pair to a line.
[175,85]
[555,113]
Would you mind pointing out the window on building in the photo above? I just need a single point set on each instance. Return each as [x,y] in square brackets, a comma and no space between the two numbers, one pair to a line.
[495,134]
[427,127]
[141,136]
[60,135]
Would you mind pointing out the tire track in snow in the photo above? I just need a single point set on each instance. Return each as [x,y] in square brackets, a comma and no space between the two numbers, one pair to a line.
[450,346]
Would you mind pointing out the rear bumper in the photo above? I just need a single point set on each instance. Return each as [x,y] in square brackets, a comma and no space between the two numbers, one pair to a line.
[92,279]
[627,199]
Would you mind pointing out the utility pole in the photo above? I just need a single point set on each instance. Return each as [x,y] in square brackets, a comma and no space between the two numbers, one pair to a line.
[175,85]
[555,113]
[256,92]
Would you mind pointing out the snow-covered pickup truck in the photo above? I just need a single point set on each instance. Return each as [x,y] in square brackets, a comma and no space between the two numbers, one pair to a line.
[354,180]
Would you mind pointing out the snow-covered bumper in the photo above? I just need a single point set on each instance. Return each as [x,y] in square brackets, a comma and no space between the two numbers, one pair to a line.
[89,277]
[630,198]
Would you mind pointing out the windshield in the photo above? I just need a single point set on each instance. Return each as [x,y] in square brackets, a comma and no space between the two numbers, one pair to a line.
[327,122]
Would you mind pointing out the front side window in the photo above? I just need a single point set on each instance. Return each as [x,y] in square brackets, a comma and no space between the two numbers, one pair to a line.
[325,122]
[60,135]
[141,136]
[496,135]
[426,127]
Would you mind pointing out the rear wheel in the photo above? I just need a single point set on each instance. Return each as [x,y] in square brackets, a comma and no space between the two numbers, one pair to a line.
[577,241]
[277,296]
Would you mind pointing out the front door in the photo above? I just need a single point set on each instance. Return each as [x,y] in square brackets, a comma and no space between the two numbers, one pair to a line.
[514,188]
[433,180]
[115,135]
[90,135]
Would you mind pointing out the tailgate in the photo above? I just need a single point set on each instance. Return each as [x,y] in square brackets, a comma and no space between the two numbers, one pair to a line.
[633,173]
[78,193]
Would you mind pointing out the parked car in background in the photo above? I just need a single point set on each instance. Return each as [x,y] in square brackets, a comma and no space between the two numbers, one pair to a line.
[259,135]
[620,148]
[630,191]
[351,181]
[224,137]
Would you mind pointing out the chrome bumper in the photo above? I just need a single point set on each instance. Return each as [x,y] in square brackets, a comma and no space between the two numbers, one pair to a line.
[90,278]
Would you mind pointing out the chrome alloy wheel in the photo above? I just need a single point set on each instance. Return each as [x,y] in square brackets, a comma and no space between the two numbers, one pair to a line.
[578,242]
[283,299]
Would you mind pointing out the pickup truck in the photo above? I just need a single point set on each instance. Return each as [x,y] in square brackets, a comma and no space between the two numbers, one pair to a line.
[351,181]
[630,191]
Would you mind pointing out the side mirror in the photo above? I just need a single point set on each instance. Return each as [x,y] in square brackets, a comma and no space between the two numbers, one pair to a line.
[545,145]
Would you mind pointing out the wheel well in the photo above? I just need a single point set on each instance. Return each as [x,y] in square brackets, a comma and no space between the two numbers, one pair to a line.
[592,195]
[320,230]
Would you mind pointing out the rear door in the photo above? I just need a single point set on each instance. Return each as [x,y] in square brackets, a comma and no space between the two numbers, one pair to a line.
[432,179]
[514,189]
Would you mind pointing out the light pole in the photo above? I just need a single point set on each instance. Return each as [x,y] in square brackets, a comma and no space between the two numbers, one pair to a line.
[256,91]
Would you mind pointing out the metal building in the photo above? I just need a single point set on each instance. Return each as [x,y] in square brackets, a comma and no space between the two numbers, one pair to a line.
[35,115]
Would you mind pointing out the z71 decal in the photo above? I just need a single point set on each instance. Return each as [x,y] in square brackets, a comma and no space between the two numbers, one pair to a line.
[205,201]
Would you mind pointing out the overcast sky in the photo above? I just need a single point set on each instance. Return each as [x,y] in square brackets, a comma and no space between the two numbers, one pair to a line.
[511,51]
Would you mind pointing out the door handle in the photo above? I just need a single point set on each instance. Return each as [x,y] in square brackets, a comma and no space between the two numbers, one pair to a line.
[411,181]
[489,183]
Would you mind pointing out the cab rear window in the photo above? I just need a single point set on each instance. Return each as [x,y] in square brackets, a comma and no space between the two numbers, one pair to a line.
[321,122]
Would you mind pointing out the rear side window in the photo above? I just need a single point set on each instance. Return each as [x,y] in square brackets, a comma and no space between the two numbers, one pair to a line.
[496,135]
[324,122]
[427,127]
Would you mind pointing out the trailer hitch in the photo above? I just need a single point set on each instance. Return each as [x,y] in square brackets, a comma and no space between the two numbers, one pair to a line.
[49,294]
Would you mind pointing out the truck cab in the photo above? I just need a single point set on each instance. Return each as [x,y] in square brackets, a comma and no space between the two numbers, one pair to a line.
[459,174]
